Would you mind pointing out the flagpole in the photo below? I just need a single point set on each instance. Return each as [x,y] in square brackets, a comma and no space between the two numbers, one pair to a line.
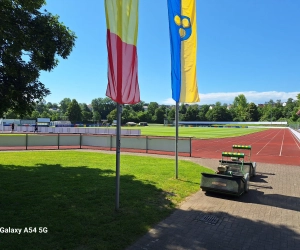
[118,146]
[176,139]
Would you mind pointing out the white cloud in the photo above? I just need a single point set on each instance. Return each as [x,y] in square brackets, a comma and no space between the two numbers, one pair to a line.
[252,96]
[168,101]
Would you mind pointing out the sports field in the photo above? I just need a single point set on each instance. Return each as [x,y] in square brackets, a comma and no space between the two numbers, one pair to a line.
[197,132]
[276,145]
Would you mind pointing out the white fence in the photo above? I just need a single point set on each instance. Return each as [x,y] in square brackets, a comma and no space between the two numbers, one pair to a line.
[239,123]
[73,130]
[55,141]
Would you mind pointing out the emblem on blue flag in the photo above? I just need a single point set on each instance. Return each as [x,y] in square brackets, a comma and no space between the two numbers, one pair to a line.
[184,26]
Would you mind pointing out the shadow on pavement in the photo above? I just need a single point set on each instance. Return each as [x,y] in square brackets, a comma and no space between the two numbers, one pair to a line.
[259,197]
[226,232]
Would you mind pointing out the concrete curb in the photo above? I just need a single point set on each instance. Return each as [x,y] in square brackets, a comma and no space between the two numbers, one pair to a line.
[295,133]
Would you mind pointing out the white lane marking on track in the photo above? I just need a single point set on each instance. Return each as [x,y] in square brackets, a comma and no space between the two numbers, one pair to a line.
[238,139]
[268,142]
[282,144]
[235,140]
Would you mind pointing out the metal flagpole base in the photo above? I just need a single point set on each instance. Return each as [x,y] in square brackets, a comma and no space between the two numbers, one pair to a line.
[176,139]
[118,149]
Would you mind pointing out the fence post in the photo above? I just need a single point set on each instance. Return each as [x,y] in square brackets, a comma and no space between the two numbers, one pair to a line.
[57,140]
[147,144]
[80,139]
[110,142]
[26,141]
[190,146]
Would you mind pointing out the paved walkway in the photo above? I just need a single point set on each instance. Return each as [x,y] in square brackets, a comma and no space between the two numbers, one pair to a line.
[268,217]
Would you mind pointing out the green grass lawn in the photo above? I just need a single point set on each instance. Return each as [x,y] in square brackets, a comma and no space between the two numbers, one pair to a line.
[72,194]
[197,132]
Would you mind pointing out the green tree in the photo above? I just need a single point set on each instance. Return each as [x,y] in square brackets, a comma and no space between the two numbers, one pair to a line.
[171,114]
[138,106]
[125,117]
[133,117]
[103,105]
[35,114]
[298,106]
[192,113]
[96,116]
[74,112]
[182,109]
[30,41]
[267,111]
[252,112]
[112,116]
[109,105]
[218,113]
[144,116]
[45,114]
[202,112]
[64,104]
[55,106]
[294,117]
[239,108]
[160,115]
[152,107]
[55,116]
[10,114]
[272,111]
[40,106]
[49,105]
[289,108]
[298,100]
[276,113]
[87,114]
[218,104]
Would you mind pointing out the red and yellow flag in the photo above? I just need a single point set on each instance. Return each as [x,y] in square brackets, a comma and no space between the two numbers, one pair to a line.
[122,30]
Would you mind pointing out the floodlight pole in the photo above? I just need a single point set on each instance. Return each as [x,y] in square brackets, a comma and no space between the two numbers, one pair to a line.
[118,146]
[176,139]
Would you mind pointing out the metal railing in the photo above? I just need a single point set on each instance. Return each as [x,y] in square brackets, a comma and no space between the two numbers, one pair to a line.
[27,141]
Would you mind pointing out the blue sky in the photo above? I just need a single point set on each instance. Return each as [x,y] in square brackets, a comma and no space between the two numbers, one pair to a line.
[244,47]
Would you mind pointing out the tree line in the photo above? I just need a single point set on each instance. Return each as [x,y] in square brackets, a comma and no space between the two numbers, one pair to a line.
[102,109]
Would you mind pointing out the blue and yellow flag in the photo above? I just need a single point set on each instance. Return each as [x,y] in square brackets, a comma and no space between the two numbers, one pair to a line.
[183,37]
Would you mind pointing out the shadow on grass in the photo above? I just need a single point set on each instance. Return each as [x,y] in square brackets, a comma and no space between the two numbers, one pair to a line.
[77,206]
[188,230]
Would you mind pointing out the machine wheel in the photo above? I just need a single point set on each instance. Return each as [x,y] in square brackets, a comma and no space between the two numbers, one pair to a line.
[246,183]
[254,169]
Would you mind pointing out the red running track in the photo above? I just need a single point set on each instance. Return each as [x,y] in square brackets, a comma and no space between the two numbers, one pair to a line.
[278,146]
